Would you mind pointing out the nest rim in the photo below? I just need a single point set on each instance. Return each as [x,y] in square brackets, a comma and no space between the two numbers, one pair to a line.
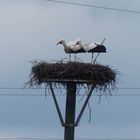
[110,82]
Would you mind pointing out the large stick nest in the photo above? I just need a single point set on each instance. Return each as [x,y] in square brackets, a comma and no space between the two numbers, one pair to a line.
[81,73]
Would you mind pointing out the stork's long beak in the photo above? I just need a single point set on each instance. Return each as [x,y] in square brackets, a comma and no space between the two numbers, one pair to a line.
[103,41]
[57,43]
[76,43]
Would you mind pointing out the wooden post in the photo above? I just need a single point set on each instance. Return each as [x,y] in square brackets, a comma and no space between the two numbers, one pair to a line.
[70,111]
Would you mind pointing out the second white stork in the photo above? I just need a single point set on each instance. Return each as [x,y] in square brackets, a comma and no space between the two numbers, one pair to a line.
[92,47]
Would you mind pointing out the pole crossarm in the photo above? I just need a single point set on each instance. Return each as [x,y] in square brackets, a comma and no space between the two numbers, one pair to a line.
[84,106]
[81,112]
[56,105]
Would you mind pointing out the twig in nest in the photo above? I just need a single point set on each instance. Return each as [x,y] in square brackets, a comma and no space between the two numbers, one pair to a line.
[89,112]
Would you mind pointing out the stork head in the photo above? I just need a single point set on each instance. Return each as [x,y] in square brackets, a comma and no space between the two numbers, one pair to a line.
[60,42]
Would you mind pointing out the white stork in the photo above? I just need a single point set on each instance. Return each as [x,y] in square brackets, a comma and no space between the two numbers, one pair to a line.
[70,47]
[90,47]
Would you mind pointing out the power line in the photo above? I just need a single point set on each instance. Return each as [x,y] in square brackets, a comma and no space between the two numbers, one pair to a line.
[62,139]
[40,88]
[75,139]
[22,94]
[31,138]
[95,6]
[47,93]
[62,95]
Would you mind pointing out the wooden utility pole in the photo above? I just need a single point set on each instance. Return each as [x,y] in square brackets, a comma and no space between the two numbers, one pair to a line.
[70,111]
[70,123]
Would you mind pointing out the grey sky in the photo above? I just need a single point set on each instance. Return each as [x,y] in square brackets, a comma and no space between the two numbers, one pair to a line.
[30,29]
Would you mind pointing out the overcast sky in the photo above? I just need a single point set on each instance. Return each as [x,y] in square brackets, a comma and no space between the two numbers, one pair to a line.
[29,30]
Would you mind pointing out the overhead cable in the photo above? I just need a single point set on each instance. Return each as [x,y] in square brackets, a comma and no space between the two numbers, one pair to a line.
[41,88]
[95,6]
[61,95]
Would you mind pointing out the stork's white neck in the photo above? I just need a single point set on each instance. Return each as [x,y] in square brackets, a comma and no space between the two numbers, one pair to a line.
[64,44]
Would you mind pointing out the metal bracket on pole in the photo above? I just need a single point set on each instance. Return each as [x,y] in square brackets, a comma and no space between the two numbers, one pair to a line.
[84,106]
[56,105]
